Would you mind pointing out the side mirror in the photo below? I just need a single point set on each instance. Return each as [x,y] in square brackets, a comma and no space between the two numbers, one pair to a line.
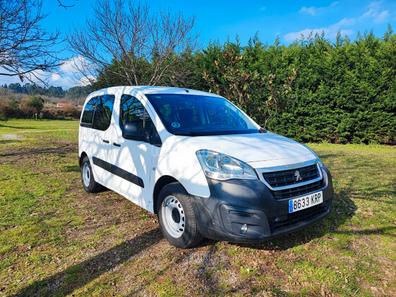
[134,131]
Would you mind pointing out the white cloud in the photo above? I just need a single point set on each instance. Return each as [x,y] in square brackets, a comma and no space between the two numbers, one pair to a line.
[309,10]
[374,12]
[73,64]
[330,31]
[66,76]
[69,73]
[86,80]
[55,77]
[312,10]
[290,37]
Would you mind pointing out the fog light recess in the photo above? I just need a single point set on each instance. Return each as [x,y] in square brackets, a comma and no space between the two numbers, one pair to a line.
[244,228]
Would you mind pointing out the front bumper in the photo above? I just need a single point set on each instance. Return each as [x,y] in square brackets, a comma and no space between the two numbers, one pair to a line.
[234,203]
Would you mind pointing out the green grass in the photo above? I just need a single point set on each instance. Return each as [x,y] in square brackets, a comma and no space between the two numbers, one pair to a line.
[39,134]
[57,240]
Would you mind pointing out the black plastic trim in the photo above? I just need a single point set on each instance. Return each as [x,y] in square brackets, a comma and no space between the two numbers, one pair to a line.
[233,203]
[118,171]
[86,125]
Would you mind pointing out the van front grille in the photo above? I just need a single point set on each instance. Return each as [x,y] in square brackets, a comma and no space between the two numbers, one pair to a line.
[297,191]
[291,176]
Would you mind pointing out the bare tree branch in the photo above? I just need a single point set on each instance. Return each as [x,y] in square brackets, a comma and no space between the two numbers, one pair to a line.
[64,5]
[127,40]
[25,47]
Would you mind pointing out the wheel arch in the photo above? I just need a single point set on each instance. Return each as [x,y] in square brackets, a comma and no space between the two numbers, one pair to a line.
[162,182]
[82,156]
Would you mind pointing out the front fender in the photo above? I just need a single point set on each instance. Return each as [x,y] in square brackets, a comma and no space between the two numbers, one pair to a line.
[178,160]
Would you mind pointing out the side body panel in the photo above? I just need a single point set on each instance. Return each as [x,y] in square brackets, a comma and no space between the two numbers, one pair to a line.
[95,143]
[137,158]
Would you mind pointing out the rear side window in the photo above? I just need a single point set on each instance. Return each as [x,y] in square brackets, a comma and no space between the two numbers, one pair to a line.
[103,112]
[97,112]
[89,110]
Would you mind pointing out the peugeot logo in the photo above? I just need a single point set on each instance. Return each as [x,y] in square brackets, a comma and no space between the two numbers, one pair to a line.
[297,176]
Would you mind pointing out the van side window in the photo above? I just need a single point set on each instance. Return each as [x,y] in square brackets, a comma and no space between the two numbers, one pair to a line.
[103,112]
[97,112]
[89,110]
[134,116]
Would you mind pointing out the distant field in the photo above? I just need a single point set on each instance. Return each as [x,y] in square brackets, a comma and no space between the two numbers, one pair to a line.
[57,240]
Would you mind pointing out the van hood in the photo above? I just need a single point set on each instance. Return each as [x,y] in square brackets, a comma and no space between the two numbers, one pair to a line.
[259,150]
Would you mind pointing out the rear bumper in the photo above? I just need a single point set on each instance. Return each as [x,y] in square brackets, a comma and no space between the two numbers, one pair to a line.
[235,203]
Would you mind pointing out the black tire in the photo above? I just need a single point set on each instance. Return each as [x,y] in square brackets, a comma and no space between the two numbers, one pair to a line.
[190,236]
[92,186]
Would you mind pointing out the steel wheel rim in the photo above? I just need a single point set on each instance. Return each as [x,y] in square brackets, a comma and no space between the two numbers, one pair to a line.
[86,174]
[173,216]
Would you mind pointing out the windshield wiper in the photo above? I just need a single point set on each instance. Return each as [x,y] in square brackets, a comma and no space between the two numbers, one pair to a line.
[209,133]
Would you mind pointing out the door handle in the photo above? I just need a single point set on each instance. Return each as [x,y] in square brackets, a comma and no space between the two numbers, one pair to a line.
[105,141]
[116,144]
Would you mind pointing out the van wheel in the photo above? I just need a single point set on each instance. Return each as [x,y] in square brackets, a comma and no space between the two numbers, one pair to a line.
[87,178]
[177,217]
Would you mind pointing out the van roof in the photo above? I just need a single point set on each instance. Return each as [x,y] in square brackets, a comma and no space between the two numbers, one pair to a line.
[152,90]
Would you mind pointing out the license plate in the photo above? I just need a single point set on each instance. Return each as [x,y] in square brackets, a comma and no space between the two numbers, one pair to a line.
[304,202]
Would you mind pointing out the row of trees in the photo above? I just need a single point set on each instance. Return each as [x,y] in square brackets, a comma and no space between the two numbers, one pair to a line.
[313,90]
[51,91]
[36,107]
[28,107]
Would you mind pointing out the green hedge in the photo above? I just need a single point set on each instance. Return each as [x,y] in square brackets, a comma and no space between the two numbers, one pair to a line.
[312,90]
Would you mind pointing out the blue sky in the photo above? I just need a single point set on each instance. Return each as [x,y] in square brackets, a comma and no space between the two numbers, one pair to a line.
[217,21]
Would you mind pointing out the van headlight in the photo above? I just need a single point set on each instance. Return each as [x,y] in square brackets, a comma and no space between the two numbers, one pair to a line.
[223,167]
[320,163]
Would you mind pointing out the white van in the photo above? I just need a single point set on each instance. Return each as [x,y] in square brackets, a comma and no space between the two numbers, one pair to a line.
[201,164]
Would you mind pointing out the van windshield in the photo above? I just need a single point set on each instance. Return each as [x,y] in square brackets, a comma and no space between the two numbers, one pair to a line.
[196,115]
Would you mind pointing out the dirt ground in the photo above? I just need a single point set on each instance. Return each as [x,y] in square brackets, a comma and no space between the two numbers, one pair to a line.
[57,240]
